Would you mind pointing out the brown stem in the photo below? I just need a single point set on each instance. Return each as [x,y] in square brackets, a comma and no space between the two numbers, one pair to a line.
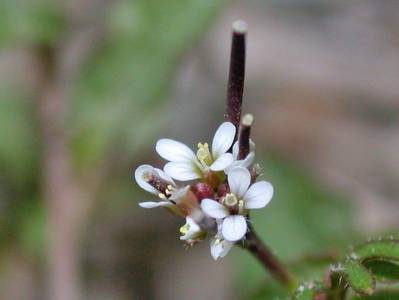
[235,86]
[61,193]
[264,255]
[67,199]
[244,136]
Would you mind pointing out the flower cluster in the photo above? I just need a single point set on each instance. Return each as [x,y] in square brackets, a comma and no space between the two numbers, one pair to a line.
[216,188]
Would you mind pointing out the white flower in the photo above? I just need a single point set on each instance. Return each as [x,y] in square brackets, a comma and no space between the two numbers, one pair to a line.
[191,231]
[246,162]
[144,174]
[218,245]
[184,165]
[242,197]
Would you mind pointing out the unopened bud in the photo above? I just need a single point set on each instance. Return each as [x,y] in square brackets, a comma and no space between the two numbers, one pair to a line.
[202,190]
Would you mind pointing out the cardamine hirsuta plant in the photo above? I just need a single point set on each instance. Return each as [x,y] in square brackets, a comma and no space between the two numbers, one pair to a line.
[215,187]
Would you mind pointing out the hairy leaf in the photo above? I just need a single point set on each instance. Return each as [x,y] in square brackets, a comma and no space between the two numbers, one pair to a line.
[359,278]
[383,249]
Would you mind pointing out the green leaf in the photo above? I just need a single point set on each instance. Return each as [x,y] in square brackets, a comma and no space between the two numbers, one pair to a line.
[359,278]
[384,271]
[382,295]
[383,249]
[117,101]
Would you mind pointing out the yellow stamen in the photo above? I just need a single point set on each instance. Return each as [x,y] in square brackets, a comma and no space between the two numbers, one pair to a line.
[240,206]
[204,155]
[184,229]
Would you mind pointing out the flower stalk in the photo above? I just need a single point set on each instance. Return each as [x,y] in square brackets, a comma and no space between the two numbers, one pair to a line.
[217,185]
[235,89]
[235,86]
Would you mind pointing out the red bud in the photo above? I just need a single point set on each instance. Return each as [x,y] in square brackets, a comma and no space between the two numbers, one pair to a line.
[202,191]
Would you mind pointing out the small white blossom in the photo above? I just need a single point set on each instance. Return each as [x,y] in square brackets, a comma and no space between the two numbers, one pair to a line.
[185,165]
[169,197]
[143,174]
[234,206]
[191,231]
[218,245]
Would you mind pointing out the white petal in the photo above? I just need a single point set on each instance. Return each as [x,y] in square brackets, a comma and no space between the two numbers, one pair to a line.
[140,175]
[220,248]
[152,204]
[249,160]
[258,195]
[234,228]
[174,151]
[235,148]
[239,180]
[164,176]
[193,230]
[222,162]
[246,163]
[194,226]
[214,209]
[215,249]
[223,139]
[182,171]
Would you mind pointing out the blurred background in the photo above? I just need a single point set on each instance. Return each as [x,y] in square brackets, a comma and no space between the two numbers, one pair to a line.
[88,86]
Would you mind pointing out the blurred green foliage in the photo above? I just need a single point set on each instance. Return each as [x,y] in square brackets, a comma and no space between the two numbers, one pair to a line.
[115,102]
[119,95]
[29,22]
[115,107]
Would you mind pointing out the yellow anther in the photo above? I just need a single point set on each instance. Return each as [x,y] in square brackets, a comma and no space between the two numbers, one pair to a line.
[204,155]
[241,208]
[162,196]
[184,229]
[240,203]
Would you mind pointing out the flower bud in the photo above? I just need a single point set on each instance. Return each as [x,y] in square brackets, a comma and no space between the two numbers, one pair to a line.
[202,191]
